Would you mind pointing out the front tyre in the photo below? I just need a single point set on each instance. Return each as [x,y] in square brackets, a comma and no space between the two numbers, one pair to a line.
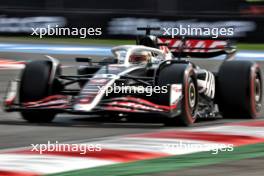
[38,117]
[36,84]
[180,74]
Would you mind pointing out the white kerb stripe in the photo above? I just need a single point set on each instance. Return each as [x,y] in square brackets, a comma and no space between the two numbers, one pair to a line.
[159,145]
[234,130]
[47,164]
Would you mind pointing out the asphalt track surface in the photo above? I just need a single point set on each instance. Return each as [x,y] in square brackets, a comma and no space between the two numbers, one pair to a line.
[15,132]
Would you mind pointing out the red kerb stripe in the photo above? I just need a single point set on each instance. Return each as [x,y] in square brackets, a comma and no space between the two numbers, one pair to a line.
[106,154]
[204,136]
[10,173]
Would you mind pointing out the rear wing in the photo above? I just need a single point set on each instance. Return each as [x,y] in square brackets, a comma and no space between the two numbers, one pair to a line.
[192,47]
[188,46]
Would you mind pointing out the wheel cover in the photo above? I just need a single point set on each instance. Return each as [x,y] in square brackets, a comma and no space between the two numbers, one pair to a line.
[257,92]
[192,95]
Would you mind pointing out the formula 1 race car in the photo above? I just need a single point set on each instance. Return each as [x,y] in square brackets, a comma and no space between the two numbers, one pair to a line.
[155,76]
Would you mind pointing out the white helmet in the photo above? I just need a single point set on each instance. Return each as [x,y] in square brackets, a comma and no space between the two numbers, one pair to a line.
[142,57]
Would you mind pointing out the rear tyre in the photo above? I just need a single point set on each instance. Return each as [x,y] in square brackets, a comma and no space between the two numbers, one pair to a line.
[38,117]
[35,85]
[180,74]
[239,90]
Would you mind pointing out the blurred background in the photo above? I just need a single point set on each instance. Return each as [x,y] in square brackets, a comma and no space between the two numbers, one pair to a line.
[119,18]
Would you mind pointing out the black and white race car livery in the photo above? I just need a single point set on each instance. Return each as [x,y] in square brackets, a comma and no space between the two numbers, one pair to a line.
[143,78]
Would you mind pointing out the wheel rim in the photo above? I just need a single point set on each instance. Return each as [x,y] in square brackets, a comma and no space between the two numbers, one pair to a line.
[257,90]
[192,95]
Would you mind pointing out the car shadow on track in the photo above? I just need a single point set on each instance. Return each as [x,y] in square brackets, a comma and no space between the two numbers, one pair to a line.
[104,122]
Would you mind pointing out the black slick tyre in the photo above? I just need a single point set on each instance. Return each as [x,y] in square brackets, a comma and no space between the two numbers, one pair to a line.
[239,89]
[180,74]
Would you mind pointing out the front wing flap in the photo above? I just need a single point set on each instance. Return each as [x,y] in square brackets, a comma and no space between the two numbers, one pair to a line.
[65,103]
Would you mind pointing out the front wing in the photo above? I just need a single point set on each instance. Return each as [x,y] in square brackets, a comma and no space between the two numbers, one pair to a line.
[65,104]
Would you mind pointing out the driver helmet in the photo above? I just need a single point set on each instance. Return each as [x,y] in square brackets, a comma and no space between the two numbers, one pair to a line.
[142,57]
